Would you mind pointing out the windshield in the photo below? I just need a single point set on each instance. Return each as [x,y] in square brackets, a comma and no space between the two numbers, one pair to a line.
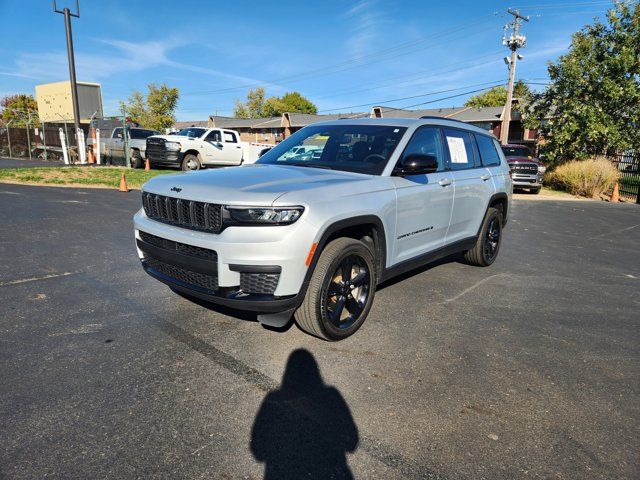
[516,151]
[350,148]
[138,133]
[193,132]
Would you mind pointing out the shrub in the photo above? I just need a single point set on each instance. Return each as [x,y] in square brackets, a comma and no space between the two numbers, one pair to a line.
[588,178]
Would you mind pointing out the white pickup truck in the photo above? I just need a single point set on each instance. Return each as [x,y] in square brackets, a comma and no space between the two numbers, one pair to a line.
[113,147]
[197,147]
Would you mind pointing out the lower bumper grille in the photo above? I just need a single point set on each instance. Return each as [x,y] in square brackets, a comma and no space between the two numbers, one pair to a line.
[262,283]
[206,281]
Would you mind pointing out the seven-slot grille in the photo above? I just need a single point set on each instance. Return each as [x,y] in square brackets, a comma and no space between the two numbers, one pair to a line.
[524,168]
[183,213]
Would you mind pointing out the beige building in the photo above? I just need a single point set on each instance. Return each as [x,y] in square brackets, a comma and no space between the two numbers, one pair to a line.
[55,102]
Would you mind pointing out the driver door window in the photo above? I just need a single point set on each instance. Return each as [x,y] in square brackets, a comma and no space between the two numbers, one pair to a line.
[426,141]
[213,137]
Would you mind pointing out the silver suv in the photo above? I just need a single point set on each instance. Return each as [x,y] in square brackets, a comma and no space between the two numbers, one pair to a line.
[313,238]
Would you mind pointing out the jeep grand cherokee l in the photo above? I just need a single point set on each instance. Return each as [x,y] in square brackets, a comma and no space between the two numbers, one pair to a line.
[312,239]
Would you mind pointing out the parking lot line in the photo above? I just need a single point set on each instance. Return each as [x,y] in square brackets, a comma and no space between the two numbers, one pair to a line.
[36,279]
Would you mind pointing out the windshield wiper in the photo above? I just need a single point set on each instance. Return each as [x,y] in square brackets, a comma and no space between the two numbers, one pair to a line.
[326,167]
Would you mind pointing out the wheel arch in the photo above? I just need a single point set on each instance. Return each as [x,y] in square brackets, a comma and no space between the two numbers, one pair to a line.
[360,227]
[500,201]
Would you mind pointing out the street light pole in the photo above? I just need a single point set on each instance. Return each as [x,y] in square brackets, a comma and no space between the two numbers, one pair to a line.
[72,63]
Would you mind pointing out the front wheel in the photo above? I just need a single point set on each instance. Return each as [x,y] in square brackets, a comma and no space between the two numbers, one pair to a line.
[135,159]
[340,292]
[190,162]
[485,251]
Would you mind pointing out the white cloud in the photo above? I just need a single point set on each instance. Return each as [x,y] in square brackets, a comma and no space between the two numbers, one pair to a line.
[364,23]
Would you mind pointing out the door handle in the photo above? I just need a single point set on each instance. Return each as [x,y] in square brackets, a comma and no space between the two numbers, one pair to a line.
[444,182]
[238,146]
[485,177]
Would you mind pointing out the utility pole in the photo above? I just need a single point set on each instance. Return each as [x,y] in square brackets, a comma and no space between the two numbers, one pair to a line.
[72,65]
[514,42]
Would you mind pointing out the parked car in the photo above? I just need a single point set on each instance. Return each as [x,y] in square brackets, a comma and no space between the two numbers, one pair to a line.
[527,171]
[302,151]
[315,238]
[197,147]
[136,143]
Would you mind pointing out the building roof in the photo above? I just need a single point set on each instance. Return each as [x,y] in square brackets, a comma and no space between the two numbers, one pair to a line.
[194,123]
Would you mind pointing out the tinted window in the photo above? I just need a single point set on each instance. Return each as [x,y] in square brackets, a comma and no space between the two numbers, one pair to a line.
[137,133]
[351,148]
[229,137]
[192,132]
[116,132]
[460,149]
[517,151]
[488,152]
[426,141]
[214,136]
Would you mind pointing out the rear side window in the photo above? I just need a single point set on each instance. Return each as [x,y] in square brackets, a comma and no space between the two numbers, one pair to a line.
[426,141]
[230,137]
[488,152]
[459,145]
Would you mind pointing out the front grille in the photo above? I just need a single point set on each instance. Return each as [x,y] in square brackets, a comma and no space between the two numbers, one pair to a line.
[524,168]
[183,213]
[262,283]
[206,281]
[179,247]
[155,148]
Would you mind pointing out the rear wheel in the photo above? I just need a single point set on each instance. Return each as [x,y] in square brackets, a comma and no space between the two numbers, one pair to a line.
[485,251]
[341,291]
[191,162]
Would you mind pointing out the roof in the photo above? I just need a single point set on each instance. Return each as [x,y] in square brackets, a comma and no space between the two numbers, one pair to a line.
[193,123]
[303,119]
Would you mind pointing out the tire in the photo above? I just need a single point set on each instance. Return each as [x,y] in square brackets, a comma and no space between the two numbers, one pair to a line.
[535,191]
[136,159]
[485,251]
[190,162]
[351,300]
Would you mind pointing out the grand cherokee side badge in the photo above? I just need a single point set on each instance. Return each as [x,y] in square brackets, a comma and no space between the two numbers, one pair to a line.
[176,189]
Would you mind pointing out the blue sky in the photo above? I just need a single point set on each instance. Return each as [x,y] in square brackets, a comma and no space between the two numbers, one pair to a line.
[340,54]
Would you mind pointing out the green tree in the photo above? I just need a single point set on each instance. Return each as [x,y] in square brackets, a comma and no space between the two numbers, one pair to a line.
[256,106]
[593,102]
[497,96]
[156,110]
[20,109]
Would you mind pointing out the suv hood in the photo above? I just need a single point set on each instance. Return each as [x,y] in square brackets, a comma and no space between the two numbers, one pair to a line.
[252,184]
[524,160]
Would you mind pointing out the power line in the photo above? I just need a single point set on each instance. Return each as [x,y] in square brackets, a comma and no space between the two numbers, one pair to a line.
[494,83]
[354,62]
[406,107]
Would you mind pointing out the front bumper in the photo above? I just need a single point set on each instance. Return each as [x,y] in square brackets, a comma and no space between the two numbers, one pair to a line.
[246,259]
[526,181]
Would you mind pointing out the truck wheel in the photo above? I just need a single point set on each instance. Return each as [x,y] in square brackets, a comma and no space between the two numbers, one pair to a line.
[340,292]
[190,162]
[136,159]
[488,242]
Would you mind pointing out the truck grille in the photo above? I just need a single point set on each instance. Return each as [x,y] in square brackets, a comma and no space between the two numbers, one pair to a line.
[183,213]
[524,168]
[155,148]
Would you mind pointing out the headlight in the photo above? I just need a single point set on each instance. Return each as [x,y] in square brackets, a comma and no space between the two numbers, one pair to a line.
[262,215]
[172,146]
[542,169]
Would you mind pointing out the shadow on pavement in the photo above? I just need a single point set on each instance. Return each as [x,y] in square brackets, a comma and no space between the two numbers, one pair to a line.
[304,429]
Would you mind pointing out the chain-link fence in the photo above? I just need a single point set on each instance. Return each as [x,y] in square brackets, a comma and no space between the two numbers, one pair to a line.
[102,140]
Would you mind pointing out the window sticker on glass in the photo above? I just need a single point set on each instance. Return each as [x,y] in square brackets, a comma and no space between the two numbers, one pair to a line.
[456,150]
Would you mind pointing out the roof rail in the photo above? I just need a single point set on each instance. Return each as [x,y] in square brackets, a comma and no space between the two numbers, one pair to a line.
[434,117]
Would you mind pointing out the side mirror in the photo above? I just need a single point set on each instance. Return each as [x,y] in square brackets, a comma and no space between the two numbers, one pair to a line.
[417,164]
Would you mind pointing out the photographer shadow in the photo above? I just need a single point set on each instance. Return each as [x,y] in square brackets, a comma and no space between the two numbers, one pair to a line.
[305,428]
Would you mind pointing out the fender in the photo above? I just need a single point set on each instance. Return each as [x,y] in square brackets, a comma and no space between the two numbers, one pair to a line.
[380,244]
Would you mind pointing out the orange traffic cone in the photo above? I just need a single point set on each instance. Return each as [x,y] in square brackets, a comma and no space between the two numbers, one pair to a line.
[147,165]
[615,196]
[90,158]
[123,184]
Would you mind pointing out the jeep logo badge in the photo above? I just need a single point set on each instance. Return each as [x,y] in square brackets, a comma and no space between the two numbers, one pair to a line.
[176,189]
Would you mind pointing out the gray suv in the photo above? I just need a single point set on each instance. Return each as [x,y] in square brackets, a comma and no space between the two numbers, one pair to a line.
[312,238]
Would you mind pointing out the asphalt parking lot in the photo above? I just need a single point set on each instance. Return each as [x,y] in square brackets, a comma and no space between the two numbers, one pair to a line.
[527,369]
